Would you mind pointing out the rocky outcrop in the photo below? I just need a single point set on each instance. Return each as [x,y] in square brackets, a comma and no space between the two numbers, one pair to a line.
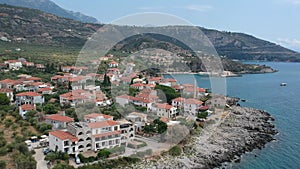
[243,130]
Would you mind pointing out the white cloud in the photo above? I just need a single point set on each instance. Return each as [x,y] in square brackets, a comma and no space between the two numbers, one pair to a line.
[289,43]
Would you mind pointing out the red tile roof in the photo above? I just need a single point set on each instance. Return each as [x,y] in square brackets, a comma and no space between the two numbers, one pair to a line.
[193,101]
[101,124]
[179,99]
[34,78]
[125,96]
[95,115]
[4,90]
[8,81]
[106,134]
[163,119]
[170,80]
[32,94]
[163,106]
[61,118]
[45,89]
[62,135]
[138,85]
[155,79]
[27,107]
[113,62]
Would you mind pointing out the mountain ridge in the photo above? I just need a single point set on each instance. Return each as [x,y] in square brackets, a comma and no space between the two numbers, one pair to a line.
[50,7]
[24,25]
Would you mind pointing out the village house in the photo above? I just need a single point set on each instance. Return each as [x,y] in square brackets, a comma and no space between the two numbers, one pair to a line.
[168,82]
[113,71]
[123,99]
[138,119]
[74,81]
[58,121]
[63,141]
[95,76]
[105,134]
[113,64]
[83,133]
[127,131]
[144,98]
[13,64]
[3,66]
[77,82]
[40,67]
[74,69]
[74,97]
[154,80]
[8,84]
[164,110]
[190,105]
[28,64]
[23,109]
[139,86]
[178,102]
[94,117]
[29,98]
[9,93]
[45,90]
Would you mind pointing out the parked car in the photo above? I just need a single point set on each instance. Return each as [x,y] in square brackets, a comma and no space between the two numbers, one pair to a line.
[77,160]
[46,151]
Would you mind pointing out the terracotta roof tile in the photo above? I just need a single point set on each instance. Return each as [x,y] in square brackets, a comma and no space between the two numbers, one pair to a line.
[95,115]
[101,124]
[62,135]
[27,107]
[61,118]
[163,106]
[32,94]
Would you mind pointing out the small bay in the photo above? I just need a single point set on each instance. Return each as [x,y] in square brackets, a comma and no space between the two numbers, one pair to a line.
[263,91]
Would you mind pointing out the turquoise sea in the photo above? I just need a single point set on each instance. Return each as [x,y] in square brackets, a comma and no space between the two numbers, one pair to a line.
[263,91]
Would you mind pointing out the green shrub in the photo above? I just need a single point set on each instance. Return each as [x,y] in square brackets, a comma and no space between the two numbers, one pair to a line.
[104,153]
[2,164]
[175,151]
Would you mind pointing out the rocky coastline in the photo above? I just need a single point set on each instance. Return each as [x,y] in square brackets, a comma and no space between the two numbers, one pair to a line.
[242,130]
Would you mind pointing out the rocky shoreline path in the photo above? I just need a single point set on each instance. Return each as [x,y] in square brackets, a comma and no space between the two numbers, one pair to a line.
[241,130]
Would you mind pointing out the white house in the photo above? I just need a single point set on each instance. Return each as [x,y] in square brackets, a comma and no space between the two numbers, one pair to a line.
[29,98]
[9,93]
[23,109]
[105,134]
[123,99]
[63,141]
[58,121]
[13,64]
[94,117]
[165,110]
[192,106]
[113,64]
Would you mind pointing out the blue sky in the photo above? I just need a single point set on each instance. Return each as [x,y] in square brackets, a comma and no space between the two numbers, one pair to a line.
[274,20]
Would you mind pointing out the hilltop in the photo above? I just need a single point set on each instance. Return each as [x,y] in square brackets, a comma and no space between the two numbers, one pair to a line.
[45,37]
[50,7]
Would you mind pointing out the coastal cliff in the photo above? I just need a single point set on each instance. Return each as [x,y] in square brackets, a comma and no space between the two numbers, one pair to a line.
[242,130]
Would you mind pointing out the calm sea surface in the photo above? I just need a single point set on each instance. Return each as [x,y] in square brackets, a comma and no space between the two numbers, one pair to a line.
[263,91]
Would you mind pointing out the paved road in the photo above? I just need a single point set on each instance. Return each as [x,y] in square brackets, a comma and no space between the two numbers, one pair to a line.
[39,158]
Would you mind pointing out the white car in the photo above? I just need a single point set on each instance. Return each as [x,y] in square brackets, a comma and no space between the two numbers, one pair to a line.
[77,160]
